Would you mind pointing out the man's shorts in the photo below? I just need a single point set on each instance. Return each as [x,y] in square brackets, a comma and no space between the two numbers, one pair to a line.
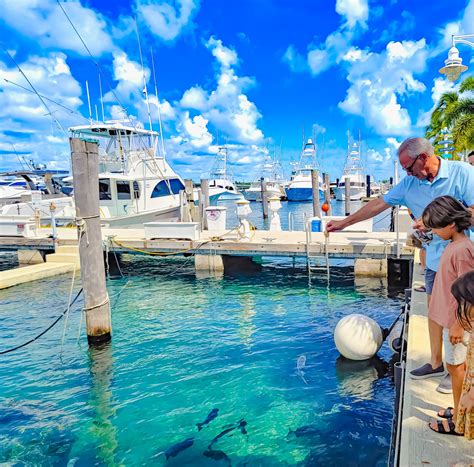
[455,354]
[429,280]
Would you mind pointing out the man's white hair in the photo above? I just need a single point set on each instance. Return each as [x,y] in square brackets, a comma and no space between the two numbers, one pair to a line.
[413,147]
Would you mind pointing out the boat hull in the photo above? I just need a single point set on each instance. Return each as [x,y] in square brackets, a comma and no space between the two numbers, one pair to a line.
[301,194]
[356,194]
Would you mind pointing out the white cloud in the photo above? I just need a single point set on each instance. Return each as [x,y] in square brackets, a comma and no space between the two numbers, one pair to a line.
[461,26]
[379,80]
[440,86]
[295,60]
[165,20]
[34,133]
[354,11]
[194,98]
[44,21]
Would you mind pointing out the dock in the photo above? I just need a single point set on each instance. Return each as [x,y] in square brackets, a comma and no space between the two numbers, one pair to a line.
[419,444]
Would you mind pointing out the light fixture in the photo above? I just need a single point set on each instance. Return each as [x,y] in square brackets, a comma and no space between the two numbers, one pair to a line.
[453,66]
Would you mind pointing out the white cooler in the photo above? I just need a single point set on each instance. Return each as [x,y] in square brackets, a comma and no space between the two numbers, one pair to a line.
[216,217]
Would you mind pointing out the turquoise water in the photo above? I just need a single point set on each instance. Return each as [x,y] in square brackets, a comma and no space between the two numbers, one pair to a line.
[183,345]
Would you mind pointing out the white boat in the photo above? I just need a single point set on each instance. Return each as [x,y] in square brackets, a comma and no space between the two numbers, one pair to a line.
[300,186]
[271,173]
[221,185]
[136,185]
[354,171]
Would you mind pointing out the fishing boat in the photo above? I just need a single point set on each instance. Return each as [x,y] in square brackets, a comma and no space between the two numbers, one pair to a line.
[136,185]
[270,172]
[354,171]
[221,184]
[300,186]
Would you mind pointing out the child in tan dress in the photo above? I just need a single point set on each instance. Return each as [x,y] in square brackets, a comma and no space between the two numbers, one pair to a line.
[463,292]
[449,219]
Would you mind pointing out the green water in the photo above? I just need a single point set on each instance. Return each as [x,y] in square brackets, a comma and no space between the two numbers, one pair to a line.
[183,345]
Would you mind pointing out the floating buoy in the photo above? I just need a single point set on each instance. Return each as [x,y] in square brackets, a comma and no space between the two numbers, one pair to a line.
[358,337]
[325,207]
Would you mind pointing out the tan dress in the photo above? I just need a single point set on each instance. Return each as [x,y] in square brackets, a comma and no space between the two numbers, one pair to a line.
[465,422]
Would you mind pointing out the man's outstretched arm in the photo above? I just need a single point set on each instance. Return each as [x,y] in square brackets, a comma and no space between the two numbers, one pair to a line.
[371,209]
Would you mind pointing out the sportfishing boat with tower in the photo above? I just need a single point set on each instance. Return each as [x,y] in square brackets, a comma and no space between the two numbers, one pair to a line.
[221,184]
[136,184]
[300,186]
[354,171]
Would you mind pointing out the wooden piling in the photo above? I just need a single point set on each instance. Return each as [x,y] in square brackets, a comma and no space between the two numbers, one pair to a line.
[85,170]
[367,185]
[315,187]
[347,195]
[327,193]
[205,201]
[263,187]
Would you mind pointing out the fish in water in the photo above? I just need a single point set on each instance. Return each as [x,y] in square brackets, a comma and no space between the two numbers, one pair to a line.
[211,416]
[307,430]
[300,365]
[242,424]
[221,434]
[216,455]
[174,450]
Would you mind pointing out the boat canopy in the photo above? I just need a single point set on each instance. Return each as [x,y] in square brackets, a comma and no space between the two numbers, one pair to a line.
[111,130]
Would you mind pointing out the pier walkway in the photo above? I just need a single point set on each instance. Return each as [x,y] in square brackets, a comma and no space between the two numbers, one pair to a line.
[350,245]
[419,444]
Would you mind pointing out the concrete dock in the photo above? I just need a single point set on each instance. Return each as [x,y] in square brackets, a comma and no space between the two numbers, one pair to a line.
[421,402]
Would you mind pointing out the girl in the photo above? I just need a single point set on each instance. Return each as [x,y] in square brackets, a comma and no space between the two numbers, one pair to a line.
[463,292]
[449,219]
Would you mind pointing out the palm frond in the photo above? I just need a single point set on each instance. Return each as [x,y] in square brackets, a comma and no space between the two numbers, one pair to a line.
[467,85]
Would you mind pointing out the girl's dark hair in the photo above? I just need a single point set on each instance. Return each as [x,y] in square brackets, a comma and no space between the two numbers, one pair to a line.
[463,291]
[445,210]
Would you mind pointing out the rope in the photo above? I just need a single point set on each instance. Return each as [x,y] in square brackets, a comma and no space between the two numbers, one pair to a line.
[93,307]
[157,253]
[46,330]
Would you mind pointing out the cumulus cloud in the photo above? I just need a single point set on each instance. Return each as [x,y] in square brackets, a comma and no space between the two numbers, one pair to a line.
[354,11]
[165,20]
[462,26]
[32,127]
[379,80]
[44,21]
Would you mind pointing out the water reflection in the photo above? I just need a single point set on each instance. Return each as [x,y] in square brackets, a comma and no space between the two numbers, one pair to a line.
[356,378]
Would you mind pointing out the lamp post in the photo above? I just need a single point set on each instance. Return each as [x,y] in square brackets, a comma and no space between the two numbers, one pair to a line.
[453,66]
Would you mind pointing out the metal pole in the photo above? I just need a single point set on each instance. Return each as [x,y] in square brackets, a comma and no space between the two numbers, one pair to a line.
[315,187]
[263,187]
[327,193]
[397,209]
[52,210]
[347,195]
[85,171]
[367,185]
[205,201]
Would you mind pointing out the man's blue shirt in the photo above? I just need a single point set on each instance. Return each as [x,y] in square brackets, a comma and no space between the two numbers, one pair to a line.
[454,178]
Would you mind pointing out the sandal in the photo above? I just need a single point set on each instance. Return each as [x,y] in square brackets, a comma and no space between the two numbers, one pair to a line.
[448,413]
[443,431]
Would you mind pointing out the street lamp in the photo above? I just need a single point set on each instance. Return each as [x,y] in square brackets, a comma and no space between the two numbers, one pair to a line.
[453,66]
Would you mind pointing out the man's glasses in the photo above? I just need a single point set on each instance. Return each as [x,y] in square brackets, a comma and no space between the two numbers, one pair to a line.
[410,167]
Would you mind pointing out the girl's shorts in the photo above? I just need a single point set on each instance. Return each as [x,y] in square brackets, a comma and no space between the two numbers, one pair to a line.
[455,354]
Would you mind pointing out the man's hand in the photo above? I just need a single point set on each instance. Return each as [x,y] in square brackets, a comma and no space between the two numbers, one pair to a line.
[456,333]
[334,226]
[418,225]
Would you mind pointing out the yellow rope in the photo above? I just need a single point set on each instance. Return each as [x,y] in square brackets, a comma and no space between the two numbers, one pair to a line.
[155,253]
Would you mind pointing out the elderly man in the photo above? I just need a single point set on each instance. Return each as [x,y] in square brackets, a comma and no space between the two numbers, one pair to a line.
[428,177]
[470,158]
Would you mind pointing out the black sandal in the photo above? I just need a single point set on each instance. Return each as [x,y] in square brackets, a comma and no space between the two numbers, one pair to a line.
[443,431]
[448,413]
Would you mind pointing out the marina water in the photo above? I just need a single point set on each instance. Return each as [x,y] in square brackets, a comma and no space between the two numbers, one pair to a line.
[184,344]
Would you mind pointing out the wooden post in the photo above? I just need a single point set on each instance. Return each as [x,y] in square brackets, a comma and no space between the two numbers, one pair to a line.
[263,187]
[327,193]
[315,187]
[347,195]
[85,171]
[367,186]
[205,201]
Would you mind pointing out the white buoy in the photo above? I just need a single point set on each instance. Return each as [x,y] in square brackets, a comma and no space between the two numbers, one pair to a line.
[358,337]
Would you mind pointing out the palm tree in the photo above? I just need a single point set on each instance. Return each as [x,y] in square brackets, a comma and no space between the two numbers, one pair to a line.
[454,111]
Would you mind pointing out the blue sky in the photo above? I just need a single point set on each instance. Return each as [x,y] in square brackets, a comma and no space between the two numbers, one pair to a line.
[249,73]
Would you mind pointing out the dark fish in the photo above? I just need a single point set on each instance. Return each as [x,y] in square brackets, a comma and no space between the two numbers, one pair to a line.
[221,434]
[212,415]
[216,455]
[307,430]
[242,424]
[174,450]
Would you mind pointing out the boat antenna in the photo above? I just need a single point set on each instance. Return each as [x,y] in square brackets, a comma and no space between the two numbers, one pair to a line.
[158,106]
[89,102]
[34,90]
[18,156]
[96,113]
[101,97]
[145,90]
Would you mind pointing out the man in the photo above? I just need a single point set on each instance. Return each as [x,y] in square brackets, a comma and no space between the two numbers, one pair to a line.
[428,177]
